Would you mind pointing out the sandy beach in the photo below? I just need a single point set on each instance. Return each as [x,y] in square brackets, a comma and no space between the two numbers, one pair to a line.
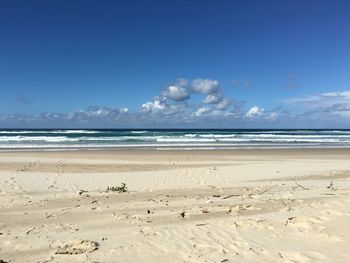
[179,206]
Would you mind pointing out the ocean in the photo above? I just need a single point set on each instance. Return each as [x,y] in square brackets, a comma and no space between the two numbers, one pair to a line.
[56,139]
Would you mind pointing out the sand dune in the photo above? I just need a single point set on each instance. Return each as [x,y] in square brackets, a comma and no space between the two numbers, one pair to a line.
[181,206]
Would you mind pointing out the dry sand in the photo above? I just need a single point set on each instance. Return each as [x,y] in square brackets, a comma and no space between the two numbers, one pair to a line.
[181,206]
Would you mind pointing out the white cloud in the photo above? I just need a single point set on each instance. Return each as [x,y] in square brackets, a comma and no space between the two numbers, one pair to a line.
[205,86]
[223,104]
[201,111]
[257,113]
[156,105]
[92,113]
[172,108]
[272,116]
[212,98]
[325,104]
[328,98]
[176,93]
[254,112]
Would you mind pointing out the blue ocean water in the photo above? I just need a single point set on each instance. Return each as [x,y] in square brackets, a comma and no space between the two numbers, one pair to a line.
[163,139]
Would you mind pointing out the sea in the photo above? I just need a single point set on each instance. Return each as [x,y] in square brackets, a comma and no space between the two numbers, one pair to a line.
[62,139]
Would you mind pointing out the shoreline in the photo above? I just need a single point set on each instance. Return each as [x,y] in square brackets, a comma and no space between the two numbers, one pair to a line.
[324,150]
[172,148]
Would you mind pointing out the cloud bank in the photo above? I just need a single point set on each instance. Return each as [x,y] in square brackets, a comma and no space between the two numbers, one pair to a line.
[198,103]
[324,106]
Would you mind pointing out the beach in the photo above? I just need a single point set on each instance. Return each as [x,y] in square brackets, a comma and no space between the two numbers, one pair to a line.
[174,131]
[241,205]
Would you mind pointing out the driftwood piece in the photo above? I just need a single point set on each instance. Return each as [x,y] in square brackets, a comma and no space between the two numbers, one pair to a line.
[331,186]
[299,186]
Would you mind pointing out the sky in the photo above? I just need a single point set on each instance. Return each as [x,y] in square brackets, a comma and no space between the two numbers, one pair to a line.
[174,64]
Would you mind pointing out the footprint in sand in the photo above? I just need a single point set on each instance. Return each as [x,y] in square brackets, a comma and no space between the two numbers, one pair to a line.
[254,223]
[215,173]
[243,246]
[302,220]
[64,227]
[240,208]
[14,185]
[311,225]
[53,185]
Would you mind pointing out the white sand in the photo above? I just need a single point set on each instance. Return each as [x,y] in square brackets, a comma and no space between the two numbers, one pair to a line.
[182,206]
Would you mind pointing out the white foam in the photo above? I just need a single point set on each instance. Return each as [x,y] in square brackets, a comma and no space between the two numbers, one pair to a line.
[37,138]
[184,139]
[142,138]
[139,132]
[49,131]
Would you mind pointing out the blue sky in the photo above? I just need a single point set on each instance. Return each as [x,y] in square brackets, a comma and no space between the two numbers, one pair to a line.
[207,64]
